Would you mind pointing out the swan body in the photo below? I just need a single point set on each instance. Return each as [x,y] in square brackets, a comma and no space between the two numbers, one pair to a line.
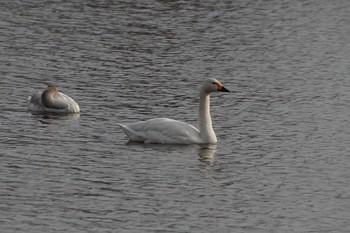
[169,131]
[52,101]
[157,131]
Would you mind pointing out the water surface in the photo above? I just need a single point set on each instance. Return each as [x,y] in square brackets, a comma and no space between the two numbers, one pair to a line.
[282,159]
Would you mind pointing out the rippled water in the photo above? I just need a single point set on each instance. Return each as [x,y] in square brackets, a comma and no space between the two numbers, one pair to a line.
[282,160]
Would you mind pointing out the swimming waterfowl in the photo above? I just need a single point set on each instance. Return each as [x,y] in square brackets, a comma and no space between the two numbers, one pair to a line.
[52,101]
[169,131]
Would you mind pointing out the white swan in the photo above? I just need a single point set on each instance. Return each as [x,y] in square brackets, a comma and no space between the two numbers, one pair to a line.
[168,131]
[52,101]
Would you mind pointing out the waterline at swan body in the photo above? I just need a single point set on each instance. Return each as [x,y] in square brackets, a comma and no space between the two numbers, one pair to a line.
[52,101]
[169,131]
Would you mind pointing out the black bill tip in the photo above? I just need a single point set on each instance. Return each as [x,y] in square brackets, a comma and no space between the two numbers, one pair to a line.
[223,89]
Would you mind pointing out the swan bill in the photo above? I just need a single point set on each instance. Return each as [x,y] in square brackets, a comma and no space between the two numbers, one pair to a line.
[223,89]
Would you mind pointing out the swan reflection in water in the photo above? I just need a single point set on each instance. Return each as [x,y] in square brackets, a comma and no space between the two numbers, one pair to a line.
[48,118]
[207,152]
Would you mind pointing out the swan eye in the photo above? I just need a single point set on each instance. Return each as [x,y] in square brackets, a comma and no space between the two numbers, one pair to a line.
[214,83]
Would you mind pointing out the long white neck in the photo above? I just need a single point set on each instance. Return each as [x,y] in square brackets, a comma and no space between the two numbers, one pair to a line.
[206,130]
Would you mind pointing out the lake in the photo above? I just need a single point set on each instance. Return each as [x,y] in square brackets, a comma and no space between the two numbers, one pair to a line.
[282,162]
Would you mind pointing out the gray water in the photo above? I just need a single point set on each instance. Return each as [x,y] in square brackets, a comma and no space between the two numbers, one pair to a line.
[282,162]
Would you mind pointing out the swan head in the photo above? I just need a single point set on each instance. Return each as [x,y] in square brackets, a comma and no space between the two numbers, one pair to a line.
[51,88]
[213,85]
[47,97]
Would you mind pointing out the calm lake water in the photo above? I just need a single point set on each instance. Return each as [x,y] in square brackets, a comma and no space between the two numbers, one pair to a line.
[282,162]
